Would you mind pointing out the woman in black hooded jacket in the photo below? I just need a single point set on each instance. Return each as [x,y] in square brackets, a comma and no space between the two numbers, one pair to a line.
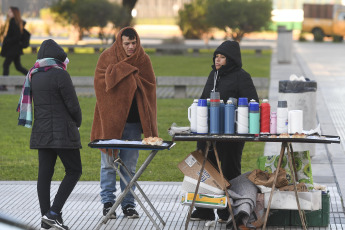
[230,80]
[55,132]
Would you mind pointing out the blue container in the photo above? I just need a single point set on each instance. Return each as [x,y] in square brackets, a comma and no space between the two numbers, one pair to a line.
[214,119]
[221,117]
[229,118]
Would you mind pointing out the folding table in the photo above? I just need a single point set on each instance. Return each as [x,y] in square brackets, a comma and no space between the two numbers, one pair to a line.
[115,161]
[285,145]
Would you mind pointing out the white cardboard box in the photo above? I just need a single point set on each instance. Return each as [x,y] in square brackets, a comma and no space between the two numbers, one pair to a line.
[287,200]
[205,200]
[189,185]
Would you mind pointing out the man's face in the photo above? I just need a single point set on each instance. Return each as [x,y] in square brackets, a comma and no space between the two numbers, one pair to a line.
[129,45]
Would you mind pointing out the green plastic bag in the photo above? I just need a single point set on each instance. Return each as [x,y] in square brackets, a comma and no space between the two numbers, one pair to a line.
[302,162]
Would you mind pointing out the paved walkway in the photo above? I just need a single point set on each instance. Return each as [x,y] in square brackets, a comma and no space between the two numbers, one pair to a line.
[323,62]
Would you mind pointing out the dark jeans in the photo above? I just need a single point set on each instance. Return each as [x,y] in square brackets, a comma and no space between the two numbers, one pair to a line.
[70,158]
[17,64]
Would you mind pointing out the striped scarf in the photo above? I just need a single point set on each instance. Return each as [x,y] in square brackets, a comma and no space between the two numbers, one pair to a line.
[25,102]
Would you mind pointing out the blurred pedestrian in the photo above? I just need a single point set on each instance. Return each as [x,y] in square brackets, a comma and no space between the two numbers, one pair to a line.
[11,45]
[57,118]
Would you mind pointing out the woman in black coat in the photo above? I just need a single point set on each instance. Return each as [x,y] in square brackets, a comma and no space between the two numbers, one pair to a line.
[11,46]
[230,80]
[55,131]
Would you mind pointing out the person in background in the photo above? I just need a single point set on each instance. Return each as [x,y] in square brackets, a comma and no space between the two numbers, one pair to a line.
[229,79]
[126,106]
[55,132]
[11,45]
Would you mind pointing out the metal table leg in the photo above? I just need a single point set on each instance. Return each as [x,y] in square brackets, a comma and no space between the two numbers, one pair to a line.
[197,185]
[224,186]
[288,147]
[129,188]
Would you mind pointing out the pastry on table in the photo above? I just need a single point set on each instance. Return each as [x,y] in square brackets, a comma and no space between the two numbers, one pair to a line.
[299,135]
[284,135]
[152,141]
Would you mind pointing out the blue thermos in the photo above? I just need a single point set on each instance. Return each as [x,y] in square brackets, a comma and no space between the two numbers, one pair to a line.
[214,112]
[229,118]
[221,117]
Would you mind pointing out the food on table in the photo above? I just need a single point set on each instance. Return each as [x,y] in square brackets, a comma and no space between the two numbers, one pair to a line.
[299,135]
[284,135]
[152,141]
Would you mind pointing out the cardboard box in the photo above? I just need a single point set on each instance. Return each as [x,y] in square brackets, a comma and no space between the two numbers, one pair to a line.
[287,200]
[191,166]
[205,200]
[189,185]
[318,218]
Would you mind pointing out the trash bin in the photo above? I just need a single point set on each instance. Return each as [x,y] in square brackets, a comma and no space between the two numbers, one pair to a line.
[284,47]
[301,95]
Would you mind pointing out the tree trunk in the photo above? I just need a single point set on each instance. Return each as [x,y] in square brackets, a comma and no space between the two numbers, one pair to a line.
[128,5]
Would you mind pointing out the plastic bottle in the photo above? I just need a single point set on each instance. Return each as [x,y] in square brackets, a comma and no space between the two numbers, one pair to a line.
[221,117]
[273,123]
[265,111]
[242,116]
[214,112]
[282,117]
[229,117]
[254,117]
[192,113]
[201,118]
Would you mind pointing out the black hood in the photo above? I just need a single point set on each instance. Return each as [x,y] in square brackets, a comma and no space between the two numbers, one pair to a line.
[231,50]
[50,49]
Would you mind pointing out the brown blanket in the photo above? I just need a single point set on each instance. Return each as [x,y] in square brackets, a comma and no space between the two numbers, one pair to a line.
[118,79]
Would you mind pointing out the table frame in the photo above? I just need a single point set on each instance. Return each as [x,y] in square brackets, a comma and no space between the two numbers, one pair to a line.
[115,161]
[286,144]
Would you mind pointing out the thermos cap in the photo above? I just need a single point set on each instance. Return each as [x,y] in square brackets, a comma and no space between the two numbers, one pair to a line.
[202,102]
[274,114]
[215,95]
[242,101]
[253,106]
[265,101]
[195,100]
[282,104]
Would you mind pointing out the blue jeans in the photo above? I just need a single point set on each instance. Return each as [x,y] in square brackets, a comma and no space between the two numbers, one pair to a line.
[132,131]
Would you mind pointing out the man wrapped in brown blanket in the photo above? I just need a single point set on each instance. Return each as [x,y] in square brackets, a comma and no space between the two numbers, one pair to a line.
[125,87]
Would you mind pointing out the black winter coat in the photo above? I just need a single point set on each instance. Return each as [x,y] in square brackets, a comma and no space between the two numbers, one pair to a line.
[11,46]
[57,114]
[232,80]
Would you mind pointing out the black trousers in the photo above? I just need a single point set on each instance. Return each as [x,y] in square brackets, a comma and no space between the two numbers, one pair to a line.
[230,156]
[17,64]
[70,158]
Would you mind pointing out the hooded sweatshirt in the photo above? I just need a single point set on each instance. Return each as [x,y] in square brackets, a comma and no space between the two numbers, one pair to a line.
[230,80]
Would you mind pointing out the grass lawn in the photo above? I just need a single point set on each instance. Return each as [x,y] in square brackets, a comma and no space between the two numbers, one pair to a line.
[83,64]
[18,162]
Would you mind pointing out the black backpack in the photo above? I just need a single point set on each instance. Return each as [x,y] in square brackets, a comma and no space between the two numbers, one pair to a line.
[25,39]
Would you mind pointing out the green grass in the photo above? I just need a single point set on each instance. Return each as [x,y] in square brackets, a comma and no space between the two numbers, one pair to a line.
[18,162]
[83,64]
